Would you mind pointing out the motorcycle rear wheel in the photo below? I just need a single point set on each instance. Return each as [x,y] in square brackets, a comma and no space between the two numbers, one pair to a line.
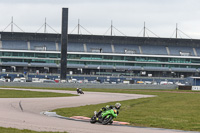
[107,120]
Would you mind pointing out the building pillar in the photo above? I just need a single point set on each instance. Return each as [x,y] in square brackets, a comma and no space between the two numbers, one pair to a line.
[64,41]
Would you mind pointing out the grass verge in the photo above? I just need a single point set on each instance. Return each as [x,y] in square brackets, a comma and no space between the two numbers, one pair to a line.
[30,94]
[13,130]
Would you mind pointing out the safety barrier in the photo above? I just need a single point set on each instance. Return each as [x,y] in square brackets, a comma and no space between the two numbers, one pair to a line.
[87,85]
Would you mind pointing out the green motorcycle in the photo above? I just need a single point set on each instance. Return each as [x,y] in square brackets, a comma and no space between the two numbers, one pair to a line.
[105,117]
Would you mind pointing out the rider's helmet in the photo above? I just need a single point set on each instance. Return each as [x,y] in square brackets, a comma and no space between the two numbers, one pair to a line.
[117,105]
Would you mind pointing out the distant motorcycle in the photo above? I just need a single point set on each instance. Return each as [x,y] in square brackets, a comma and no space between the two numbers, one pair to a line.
[79,91]
[105,117]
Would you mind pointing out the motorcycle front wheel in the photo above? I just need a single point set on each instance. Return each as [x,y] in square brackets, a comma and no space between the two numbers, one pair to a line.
[93,120]
[107,120]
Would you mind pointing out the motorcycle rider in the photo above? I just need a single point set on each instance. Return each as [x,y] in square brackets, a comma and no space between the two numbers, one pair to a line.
[116,106]
[79,91]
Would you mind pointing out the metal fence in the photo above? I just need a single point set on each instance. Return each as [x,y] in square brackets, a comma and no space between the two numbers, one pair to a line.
[86,85]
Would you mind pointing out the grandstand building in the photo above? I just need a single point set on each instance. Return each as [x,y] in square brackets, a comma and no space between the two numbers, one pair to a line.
[100,55]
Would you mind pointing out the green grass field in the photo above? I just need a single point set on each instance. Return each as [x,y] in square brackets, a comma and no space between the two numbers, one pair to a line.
[170,110]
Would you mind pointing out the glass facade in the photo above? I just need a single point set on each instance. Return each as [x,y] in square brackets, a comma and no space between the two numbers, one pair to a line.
[29,54]
[102,59]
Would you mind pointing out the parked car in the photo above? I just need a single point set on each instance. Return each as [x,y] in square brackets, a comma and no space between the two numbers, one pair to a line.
[154,83]
[113,82]
[72,80]
[36,80]
[2,80]
[19,79]
[106,82]
[57,80]
[166,83]
[178,83]
[170,83]
[85,81]
[95,82]
[49,81]
[163,83]
[140,82]
[147,82]
[128,82]
[80,81]
[63,81]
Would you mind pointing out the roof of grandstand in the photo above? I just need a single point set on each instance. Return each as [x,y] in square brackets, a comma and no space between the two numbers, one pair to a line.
[102,44]
[99,39]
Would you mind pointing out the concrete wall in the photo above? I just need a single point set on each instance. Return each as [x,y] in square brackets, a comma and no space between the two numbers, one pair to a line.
[88,85]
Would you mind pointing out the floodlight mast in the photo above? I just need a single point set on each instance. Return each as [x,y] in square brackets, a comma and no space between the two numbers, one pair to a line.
[64,41]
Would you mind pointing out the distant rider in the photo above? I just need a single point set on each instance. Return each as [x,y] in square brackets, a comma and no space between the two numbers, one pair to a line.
[79,90]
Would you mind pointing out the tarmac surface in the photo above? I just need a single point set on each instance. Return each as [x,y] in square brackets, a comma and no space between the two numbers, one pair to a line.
[26,113]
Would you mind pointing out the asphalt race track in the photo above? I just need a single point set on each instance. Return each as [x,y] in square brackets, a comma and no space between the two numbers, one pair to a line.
[25,113]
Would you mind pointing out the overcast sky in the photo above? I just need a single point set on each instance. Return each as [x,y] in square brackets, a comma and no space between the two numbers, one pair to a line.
[128,16]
